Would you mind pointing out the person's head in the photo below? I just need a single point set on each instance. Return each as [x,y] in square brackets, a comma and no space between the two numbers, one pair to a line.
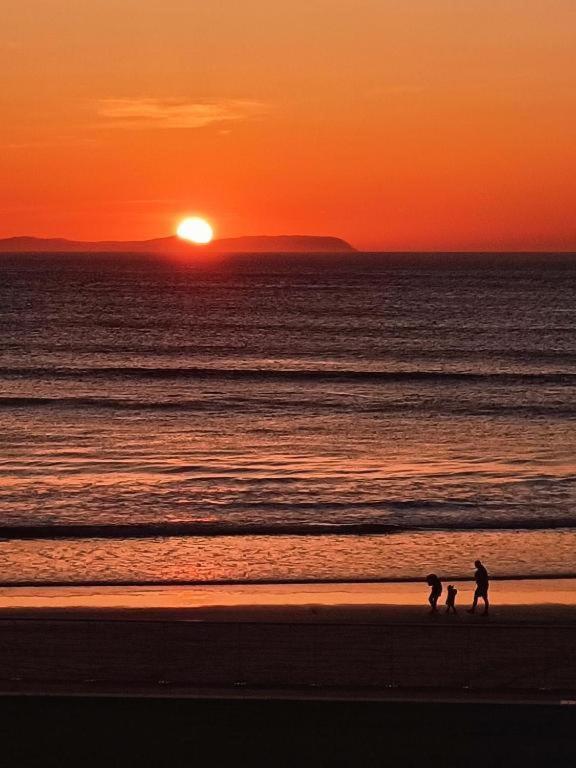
[431,579]
[477,563]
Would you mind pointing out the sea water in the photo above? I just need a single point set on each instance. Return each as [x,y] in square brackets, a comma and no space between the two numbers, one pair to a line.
[259,418]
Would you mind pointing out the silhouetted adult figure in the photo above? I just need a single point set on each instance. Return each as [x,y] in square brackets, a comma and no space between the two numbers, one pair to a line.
[436,589]
[482,583]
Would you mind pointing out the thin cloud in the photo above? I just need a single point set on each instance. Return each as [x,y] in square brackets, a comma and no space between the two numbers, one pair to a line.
[176,113]
[57,141]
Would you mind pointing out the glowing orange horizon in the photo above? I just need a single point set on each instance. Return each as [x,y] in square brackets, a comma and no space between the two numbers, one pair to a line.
[435,126]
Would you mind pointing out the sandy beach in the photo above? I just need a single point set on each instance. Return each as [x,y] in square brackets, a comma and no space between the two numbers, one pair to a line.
[323,640]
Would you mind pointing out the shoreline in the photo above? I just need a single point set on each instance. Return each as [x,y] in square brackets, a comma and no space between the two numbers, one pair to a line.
[133,583]
[517,599]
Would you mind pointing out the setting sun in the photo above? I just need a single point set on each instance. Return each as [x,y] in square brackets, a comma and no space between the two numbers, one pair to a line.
[195,230]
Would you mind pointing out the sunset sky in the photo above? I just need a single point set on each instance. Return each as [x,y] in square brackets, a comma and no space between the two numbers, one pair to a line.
[396,124]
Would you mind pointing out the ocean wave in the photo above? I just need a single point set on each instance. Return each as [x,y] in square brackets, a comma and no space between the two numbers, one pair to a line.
[170,351]
[289,375]
[224,402]
[301,580]
[97,402]
[213,529]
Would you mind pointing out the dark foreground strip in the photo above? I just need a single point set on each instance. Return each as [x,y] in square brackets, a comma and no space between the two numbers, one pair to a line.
[59,732]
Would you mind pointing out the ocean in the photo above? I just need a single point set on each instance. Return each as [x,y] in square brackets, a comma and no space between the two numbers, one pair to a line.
[286,418]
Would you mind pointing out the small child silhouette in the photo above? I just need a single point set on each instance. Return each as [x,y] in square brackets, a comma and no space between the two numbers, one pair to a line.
[451,598]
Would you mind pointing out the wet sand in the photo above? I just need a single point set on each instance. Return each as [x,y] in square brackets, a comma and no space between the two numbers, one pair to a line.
[503,593]
[322,640]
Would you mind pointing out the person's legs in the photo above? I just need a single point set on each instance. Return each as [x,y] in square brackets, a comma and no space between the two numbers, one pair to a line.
[486,602]
[474,603]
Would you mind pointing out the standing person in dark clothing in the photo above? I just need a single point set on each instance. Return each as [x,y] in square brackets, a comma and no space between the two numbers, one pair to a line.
[482,583]
[436,589]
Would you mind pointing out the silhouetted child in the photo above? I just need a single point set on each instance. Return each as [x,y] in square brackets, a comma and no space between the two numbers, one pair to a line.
[434,582]
[451,598]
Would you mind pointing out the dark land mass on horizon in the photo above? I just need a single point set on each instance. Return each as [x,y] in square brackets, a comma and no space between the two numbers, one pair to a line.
[317,248]
[175,245]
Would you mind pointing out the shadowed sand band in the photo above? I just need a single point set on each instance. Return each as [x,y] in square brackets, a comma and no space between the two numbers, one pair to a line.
[329,641]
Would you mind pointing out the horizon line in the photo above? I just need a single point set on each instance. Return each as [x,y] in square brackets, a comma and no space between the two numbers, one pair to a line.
[373,250]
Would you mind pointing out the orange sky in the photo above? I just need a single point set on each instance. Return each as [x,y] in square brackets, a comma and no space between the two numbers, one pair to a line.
[396,124]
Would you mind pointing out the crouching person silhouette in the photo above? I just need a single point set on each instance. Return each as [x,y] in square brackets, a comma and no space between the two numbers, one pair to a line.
[436,589]
[451,599]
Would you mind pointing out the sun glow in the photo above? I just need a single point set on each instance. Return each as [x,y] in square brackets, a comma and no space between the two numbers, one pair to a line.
[195,230]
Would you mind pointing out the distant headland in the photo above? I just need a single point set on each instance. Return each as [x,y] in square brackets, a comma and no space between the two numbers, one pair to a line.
[174,245]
